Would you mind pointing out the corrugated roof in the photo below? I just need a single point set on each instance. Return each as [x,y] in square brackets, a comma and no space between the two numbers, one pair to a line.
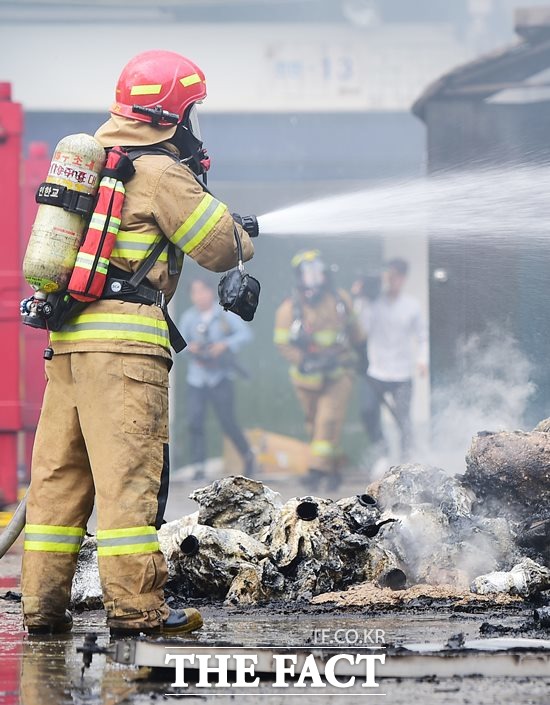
[504,69]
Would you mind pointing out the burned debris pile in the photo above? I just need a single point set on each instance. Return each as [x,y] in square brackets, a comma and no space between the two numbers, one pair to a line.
[510,475]
[510,472]
[253,547]
[481,533]
[437,535]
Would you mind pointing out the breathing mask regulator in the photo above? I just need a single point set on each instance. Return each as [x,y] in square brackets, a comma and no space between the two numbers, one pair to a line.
[187,137]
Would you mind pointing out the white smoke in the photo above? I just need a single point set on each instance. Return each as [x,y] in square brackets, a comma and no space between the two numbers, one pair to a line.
[490,394]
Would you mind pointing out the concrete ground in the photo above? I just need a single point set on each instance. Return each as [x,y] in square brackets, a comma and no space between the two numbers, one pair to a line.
[44,671]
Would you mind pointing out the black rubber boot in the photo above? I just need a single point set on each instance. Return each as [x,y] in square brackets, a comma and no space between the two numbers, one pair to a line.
[58,626]
[178,622]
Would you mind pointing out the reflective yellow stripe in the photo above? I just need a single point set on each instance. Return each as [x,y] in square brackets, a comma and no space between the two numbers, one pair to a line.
[110,182]
[190,80]
[123,533]
[187,226]
[136,246]
[120,542]
[114,326]
[326,338]
[146,238]
[316,379]
[126,253]
[151,89]
[56,539]
[281,336]
[50,546]
[199,224]
[126,550]
[86,261]
[322,449]
[206,229]
[108,335]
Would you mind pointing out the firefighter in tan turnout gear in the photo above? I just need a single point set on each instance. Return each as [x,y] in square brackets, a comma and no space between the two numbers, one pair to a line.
[316,331]
[103,429]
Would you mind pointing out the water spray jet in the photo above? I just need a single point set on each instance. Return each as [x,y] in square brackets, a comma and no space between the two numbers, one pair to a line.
[501,202]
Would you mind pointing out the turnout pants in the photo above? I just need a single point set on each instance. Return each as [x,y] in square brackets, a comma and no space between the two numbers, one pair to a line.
[103,430]
[325,411]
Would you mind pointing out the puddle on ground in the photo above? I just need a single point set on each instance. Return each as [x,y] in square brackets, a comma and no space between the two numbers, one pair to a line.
[47,671]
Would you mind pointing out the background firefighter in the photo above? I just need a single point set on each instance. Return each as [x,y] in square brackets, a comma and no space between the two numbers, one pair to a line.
[316,331]
[103,429]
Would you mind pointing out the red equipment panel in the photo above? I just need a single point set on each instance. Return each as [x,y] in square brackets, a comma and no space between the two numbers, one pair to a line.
[35,170]
[11,127]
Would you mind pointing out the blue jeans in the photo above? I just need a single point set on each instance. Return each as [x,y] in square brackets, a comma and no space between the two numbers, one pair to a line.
[221,396]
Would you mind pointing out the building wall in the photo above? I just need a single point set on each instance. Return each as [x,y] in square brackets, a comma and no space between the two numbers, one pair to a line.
[469,133]
[250,67]
[491,283]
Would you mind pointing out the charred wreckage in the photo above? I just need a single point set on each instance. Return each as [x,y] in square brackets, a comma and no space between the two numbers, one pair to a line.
[485,532]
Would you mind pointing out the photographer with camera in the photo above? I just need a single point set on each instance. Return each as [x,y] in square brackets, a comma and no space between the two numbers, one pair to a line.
[213,339]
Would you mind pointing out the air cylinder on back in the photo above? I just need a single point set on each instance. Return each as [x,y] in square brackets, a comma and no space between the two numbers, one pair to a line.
[65,198]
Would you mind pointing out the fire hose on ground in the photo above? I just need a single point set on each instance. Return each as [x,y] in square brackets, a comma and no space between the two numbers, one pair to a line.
[14,528]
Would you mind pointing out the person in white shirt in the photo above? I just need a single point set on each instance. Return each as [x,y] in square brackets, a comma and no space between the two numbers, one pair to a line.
[397,346]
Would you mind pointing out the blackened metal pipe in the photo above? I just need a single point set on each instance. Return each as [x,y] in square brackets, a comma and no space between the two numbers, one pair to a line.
[190,545]
[372,529]
[366,500]
[394,578]
[307,510]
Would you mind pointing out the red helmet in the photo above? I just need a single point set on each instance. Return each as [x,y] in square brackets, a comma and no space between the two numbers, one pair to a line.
[158,79]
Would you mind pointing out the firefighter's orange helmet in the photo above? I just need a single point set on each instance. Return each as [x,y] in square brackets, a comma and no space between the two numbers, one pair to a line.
[156,79]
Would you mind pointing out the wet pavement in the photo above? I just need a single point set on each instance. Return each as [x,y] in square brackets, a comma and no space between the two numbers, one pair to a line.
[47,670]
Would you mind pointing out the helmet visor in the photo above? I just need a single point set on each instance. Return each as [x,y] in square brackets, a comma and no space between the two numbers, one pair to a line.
[193,122]
[312,274]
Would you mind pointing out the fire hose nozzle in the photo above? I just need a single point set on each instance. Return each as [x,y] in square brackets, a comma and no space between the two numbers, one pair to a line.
[249,223]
